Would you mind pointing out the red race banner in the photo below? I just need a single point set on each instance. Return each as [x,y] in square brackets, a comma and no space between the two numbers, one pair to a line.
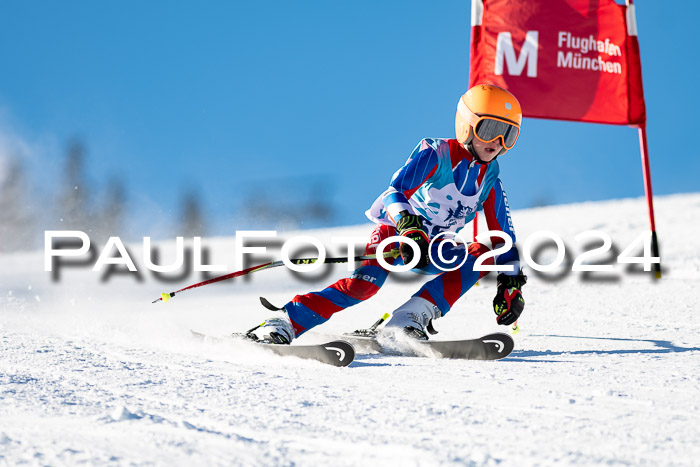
[563,59]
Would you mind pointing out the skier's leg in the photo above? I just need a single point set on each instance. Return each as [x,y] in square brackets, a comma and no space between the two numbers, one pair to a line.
[437,296]
[445,290]
[312,309]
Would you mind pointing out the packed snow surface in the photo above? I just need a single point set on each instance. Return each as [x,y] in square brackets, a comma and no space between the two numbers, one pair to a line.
[606,368]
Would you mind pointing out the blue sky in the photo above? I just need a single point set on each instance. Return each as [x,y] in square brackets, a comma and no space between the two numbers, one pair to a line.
[238,99]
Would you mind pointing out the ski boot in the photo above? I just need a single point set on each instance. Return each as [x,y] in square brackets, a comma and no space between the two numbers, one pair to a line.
[415,318]
[277,329]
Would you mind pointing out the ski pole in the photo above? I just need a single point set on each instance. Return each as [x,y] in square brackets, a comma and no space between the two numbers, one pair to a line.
[384,317]
[164,297]
[514,328]
[372,330]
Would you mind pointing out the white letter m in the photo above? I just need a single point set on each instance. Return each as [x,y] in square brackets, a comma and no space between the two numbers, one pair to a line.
[528,54]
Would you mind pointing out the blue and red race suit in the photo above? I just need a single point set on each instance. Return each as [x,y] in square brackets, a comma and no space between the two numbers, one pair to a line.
[445,185]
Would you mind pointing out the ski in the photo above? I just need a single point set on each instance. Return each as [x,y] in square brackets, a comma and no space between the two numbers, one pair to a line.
[489,347]
[337,353]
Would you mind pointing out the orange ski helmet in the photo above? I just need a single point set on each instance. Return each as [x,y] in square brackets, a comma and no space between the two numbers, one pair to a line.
[488,112]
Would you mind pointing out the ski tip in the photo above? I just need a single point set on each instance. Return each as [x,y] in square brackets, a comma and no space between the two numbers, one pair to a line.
[386,316]
[342,353]
[265,302]
[165,297]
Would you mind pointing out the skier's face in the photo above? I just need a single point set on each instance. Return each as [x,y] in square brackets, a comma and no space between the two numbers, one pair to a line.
[486,152]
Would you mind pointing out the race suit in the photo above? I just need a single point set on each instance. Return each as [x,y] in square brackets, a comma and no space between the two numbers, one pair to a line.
[445,185]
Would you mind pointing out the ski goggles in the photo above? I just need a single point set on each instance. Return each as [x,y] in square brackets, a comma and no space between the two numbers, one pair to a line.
[488,128]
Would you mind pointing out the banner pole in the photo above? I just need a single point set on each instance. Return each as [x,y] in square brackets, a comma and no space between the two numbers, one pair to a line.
[644,149]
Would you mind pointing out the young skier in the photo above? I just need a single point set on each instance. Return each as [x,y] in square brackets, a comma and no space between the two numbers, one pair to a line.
[439,189]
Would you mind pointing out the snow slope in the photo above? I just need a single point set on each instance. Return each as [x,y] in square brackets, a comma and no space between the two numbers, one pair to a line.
[606,367]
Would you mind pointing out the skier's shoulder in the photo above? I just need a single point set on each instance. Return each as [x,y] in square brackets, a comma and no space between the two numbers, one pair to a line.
[491,177]
[455,152]
[435,144]
[495,168]
[436,149]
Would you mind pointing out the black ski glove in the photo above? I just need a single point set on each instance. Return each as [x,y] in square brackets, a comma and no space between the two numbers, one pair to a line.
[509,303]
[411,226]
